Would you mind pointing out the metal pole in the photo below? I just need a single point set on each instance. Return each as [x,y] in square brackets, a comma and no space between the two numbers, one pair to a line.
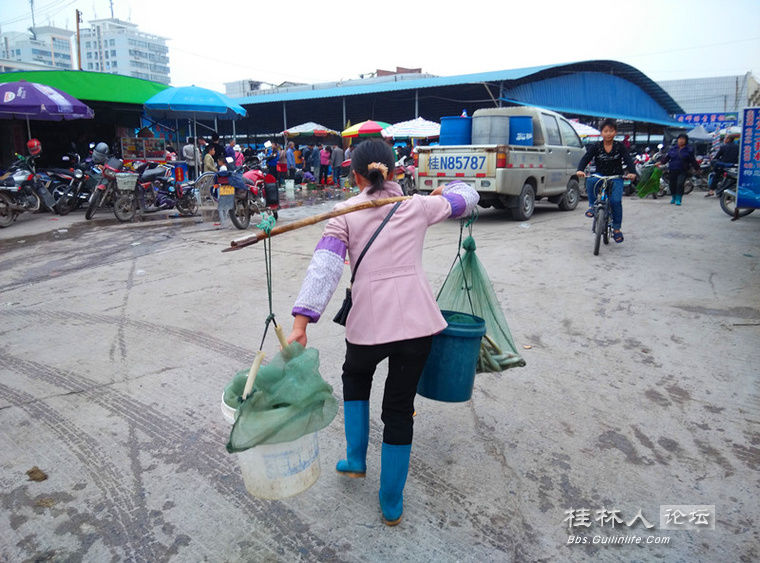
[343,125]
[234,134]
[416,103]
[79,43]
[284,117]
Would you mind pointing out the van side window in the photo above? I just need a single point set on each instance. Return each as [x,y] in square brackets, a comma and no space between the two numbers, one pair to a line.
[552,131]
[569,136]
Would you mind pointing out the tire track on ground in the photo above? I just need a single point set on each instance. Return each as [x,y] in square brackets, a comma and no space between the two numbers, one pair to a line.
[200,339]
[102,473]
[171,442]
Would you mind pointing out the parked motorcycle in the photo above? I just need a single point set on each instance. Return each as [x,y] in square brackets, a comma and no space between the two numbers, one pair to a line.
[404,174]
[77,193]
[107,190]
[21,190]
[727,193]
[155,190]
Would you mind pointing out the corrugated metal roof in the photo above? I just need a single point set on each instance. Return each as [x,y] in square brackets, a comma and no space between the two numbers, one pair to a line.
[510,78]
[357,88]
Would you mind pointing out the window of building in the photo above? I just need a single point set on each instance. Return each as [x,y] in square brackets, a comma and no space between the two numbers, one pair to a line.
[89,66]
[111,42]
[89,54]
[106,54]
[108,65]
[87,45]
[97,66]
[113,64]
[113,52]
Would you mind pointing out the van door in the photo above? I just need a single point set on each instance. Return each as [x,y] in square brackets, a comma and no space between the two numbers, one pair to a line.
[556,158]
[573,145]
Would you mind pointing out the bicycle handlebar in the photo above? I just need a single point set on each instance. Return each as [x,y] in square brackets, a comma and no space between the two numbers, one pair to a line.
[605,177]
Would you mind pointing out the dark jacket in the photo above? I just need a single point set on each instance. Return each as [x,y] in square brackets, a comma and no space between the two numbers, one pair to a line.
[728,154]
[608,163]
[680,159]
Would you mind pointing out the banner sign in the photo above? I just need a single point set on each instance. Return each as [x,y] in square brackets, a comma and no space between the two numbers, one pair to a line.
[748,188]
[143,148]
[722,119]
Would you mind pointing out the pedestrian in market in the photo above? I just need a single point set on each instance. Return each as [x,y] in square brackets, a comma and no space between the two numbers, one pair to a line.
[336,162]
[394,313]
[315,160]
[679,158]
[209,160]
[290,160]
[191,157]
[324,164]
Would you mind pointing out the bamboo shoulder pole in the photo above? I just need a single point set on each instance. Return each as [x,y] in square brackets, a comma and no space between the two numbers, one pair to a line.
[241,242]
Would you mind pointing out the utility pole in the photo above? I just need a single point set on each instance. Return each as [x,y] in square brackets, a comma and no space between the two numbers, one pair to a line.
[79,43]
[111,4]
[34,33]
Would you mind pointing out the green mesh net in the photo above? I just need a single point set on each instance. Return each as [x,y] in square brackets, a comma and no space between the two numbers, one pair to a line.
[289,400]
[468,289]
[649,181]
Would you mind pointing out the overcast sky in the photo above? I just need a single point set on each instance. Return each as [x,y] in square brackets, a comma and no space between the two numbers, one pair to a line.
[214,42]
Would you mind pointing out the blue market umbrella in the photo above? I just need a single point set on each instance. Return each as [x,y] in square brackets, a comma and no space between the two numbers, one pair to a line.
[29,100]
[193,102]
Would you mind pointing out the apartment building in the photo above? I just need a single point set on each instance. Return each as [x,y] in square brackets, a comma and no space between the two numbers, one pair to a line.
[118,47]
[46,48]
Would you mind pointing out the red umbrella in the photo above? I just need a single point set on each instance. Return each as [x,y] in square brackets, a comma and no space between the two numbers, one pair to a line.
[367,128]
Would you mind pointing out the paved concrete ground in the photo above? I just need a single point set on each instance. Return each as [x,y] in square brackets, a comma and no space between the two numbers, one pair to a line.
[640,390]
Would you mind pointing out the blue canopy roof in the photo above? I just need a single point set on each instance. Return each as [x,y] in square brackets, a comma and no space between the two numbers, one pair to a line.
[598,87]
[190,102]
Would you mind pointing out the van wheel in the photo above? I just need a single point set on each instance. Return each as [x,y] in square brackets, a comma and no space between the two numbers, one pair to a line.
[526,204]
[569,200]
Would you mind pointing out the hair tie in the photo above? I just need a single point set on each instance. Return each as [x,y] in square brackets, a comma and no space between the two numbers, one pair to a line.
[378,166]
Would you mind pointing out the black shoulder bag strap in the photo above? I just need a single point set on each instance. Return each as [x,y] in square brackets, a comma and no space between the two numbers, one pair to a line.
[342,314]
[372,239]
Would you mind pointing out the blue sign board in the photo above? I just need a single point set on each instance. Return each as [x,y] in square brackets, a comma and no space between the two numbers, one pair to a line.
[748,188]
[721,119]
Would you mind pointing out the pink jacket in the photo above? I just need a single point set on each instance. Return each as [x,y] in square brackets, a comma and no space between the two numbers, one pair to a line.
[324,157]
[392,298]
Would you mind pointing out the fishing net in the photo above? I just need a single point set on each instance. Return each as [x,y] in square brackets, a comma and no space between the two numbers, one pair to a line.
[468,288]
[649,182]
[289,400]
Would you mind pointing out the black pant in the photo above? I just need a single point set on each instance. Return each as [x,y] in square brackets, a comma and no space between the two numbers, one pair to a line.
[677,179]
[323,168]
[406,359]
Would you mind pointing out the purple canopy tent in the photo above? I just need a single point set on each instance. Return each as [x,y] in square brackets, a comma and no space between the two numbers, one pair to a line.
[30,100]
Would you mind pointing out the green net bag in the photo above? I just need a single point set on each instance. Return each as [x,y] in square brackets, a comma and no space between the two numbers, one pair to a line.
[649,182]
[467,288]
[289,400]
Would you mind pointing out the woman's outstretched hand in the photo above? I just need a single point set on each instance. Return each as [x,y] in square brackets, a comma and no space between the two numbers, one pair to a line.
[298,334]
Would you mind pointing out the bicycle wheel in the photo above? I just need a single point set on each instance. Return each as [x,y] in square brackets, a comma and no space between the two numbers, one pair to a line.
[600,226]
[607,227]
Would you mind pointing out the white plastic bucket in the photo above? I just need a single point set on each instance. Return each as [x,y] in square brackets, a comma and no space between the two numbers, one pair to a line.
[290,189]
[276,471]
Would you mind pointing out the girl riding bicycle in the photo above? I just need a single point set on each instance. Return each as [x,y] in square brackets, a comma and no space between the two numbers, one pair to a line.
[609,156]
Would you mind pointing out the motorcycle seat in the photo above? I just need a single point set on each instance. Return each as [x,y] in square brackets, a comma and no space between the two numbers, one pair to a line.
[64,171]
[153,173]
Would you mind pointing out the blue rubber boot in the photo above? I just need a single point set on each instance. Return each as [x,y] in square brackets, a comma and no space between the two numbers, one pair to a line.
[393,471]
[678,199]
[672,199]
[356,424]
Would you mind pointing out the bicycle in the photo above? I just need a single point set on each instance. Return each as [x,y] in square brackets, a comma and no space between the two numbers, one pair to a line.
[602,225]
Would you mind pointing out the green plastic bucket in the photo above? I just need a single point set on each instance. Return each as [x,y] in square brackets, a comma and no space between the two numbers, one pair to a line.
[449,373]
